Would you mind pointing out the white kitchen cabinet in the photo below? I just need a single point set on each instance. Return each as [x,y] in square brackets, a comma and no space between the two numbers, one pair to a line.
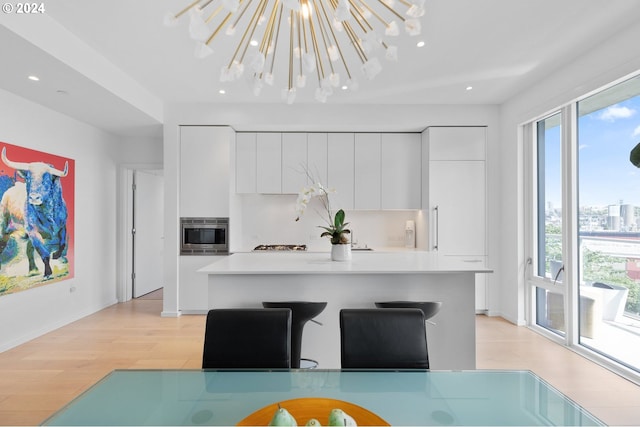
[294,162]
[317,156]
[401,176]
[340,169]
[204,170]
[456,196]
[246,162]
[269,162]
[367,171]
[457,143]
[458,207]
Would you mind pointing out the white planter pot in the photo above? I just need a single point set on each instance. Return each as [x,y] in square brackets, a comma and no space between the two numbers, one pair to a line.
[341,252]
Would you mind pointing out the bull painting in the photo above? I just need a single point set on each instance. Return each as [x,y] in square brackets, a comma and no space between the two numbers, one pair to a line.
[33,213]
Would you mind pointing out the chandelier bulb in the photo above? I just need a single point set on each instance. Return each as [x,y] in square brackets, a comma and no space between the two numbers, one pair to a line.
[391,53]
[413,27]
[269,79]
[392,29]
[333,52]
[202,50]
[170,20]
[371,68]
[198,29]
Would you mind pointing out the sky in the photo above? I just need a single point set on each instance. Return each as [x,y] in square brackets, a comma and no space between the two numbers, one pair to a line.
[605,139]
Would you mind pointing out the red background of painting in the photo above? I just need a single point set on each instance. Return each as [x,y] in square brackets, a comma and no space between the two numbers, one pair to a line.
[21,154]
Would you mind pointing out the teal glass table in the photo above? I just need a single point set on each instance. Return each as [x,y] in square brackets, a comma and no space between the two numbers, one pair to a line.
[416,398]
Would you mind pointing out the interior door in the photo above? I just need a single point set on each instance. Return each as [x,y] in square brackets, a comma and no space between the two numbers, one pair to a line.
[148,236]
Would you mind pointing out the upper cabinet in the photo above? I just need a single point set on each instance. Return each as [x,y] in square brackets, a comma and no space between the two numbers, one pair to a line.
[401,171]
[317,157]
[368,170]
[368,165]
[269,162]
[246,162]
[457,143]
[204,170]
[294,162]
[340,170]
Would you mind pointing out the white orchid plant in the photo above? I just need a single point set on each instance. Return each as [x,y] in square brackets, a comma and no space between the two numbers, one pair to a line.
[336,227]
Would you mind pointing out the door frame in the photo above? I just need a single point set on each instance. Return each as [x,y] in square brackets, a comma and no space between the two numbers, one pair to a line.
[124,225]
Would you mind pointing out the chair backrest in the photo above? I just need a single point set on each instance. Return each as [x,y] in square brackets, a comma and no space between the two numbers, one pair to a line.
[390,338]
[247,338]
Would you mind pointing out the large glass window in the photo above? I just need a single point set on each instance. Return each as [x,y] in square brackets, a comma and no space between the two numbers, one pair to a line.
[549,299]
[587,197]
[609,233]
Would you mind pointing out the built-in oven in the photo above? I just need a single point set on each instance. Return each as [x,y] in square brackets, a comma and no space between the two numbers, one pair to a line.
[204,236]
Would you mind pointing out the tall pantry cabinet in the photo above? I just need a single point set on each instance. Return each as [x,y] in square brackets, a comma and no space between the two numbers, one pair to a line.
[454,196]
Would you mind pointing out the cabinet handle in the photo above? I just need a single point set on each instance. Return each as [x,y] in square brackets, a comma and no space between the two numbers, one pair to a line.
[437,226]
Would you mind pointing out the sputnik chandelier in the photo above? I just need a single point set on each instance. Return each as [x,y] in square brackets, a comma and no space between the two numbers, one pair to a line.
[323,40]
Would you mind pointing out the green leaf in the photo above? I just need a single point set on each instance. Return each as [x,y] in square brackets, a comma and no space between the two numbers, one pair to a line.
[634,157]
[339,219]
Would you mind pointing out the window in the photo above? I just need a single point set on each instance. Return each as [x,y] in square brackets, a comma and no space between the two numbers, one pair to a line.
[601,217]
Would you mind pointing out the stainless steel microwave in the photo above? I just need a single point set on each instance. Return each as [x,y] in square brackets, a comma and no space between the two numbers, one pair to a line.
[204,236]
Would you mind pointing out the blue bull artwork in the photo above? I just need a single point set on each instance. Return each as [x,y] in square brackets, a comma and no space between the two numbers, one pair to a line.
[33,219]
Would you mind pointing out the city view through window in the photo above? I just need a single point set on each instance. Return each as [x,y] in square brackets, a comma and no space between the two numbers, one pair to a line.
[608,214]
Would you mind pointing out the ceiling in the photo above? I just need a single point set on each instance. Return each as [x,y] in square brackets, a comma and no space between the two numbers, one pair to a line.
[498,47]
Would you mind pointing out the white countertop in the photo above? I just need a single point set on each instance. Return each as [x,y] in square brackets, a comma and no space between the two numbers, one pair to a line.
[404,262]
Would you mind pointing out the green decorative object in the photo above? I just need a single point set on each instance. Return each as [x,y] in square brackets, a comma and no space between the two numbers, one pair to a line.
[634,157]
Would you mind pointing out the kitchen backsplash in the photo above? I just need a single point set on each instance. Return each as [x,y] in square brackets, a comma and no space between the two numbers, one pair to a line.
[270,219]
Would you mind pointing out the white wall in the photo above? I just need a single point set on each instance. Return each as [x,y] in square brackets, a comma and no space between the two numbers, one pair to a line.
[613,59]
[31,313]
[318,118]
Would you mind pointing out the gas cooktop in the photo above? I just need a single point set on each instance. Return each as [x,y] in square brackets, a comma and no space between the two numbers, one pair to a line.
[280,248]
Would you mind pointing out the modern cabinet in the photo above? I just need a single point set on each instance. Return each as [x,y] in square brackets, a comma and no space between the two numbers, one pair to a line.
[367,170]
[294,162]
[455,196]
[401,171]
[204,170]
[340,170]
[269,162]
[317,157]
[246,162]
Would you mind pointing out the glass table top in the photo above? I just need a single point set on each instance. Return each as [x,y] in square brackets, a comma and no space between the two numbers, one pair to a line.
[417,398]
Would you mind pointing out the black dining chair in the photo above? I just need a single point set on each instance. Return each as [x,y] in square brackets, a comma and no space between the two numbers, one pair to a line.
[393,338]
[247,338]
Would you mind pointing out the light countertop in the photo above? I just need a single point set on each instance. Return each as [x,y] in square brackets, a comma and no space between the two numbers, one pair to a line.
[404,262]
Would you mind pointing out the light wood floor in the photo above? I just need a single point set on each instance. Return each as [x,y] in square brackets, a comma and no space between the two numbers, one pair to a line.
[39,377]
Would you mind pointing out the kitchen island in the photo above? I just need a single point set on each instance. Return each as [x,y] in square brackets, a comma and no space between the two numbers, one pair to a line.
[247,279]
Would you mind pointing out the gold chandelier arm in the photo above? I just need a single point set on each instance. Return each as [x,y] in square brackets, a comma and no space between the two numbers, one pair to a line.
[299,23]
[355,42]
[248,35]
[316,49]
[277,33]
[217,30]
[323,33]
[335,39]
[267,36]
[186,9]
[242,12]
[291,30]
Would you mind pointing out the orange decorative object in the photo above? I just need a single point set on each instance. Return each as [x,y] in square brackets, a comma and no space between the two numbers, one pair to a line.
[303,409]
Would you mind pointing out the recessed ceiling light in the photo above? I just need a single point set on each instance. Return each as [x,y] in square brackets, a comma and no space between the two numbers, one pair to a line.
[34,78]
[469,87]
[253,42]
[420,43]
[345,87]
[222,91]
